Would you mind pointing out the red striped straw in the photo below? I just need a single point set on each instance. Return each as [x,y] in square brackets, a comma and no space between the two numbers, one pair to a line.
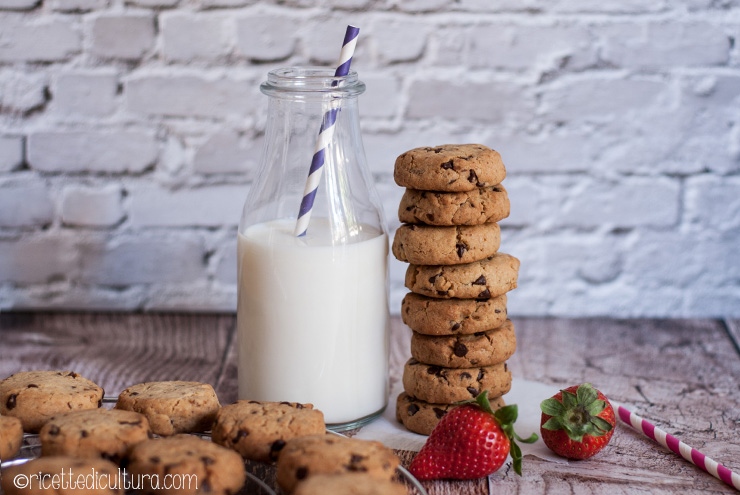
[675,445]
[325,136]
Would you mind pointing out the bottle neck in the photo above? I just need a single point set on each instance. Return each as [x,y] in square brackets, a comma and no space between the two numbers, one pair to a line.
[311,83]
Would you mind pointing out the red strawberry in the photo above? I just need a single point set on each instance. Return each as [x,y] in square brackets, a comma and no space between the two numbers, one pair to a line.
[470,441]
[577,422]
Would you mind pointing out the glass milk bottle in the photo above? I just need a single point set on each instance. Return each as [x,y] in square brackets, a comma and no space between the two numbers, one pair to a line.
[313,309]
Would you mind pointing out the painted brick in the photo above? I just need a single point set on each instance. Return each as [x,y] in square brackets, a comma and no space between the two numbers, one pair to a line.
[11,153]
[126,37]
[521,47]
[632,202]
[492,101]
[210,4]
[78,5]
[607,6]
[154,4]
[193,298]
[226,265]
[534,199]
[87,94]
[666,44]
[142,259]
[186,37]
[47,40]
[109,152]
[37,259]
[21,93]
[449,46]
[71,298]
[420,5]
[266,37]
[227,152]
[25,203]
[212,206]
[713,201]
[399,41]
[191,96]
[382,99]
[599,99]
[86,206]
[544,153]
[714,302]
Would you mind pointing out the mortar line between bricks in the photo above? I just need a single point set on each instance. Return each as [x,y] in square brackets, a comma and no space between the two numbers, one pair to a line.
[731,335]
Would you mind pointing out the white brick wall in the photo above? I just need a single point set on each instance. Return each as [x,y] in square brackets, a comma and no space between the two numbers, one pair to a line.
[130,132]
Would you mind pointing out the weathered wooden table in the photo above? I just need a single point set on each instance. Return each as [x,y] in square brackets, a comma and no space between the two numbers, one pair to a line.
[684,375]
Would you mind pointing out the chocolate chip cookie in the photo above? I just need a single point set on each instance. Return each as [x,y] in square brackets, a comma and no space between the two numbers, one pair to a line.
[421,417]
[109,434]
[348,484]
[305,457]
[172,407]
[455,245]
[478,206]
[435,384]
[35,396]
[482,280]
[211,468]
[62,475]
[465,351]
[452,316]
[259,430]
[450,167]
[11,437]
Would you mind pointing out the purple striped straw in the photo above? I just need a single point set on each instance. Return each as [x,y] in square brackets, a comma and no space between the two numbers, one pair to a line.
[325,136]
[675,445]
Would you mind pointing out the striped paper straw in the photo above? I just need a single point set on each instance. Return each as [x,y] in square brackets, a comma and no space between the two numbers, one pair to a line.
[675,445]
[325,136]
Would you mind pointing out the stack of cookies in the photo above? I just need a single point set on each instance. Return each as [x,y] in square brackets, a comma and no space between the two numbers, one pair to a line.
[457,277]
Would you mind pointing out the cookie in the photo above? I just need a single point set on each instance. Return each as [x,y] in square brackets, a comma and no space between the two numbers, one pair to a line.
[62,475]
[172,407]
[465,351]
[439,385]
[109,434]
[203,466]
[259,430]
[11,437]
[475,207]
[430,245]
[348,484]
[450,167]
[304,457]
[35,396]
[482,280]
[421,417]
[452,316]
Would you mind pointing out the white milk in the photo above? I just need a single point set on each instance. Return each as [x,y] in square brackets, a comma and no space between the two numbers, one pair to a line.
[313,319]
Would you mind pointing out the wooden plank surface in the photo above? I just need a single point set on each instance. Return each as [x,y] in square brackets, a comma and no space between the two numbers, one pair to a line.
[684,375]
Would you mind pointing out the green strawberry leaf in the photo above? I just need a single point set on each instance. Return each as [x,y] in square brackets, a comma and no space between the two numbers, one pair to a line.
[595,407]
[552,407]
[507,415]
[586,394]
[516,457]
[602,425]
[553,424]
[570,400]
[531,439]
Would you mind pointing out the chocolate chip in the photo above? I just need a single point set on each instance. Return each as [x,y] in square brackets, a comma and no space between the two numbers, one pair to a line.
[460,350]
[301,473]
[472,177]
[496,189]
[32,385]
[356,458]
[423,194]
[155,460]
[465,375]
[286,403]
[53,430]
[84,434]
[409,208]
[455,327]
[497,311]
[430,217]
[434,370]
[356,469]
[461,248]
[240,434]
[486,294]
[480,280]
[481,374]
[72,374]
[276,447]
[134,393]
[506,367]
[208,460]
[434,278]
[442,292]
[479,334]
[439,412]
[413,409]
[299,406]
[448,165]
[10,403]
[100,402]
[473,391]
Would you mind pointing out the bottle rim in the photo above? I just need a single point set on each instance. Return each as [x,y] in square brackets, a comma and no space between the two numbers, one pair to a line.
[287,81]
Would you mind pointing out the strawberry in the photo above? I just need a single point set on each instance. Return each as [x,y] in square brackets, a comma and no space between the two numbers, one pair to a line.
[577,422]
[470,441]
